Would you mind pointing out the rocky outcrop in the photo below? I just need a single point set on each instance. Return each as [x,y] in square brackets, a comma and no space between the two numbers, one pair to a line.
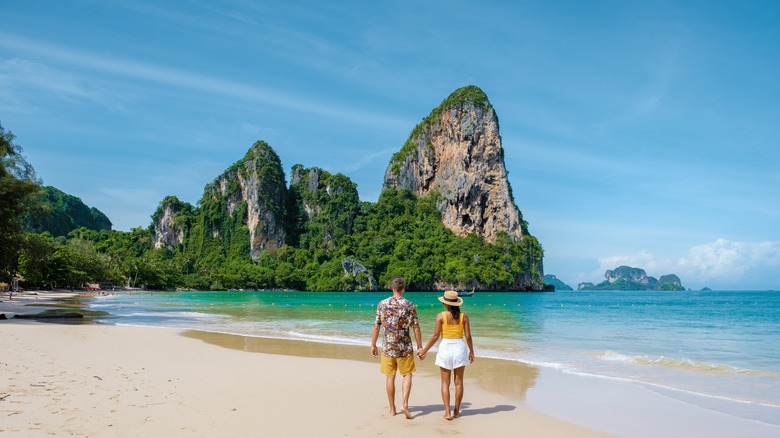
[628,274]
[364,278]
[257,183]
[328,202]
[629,278]
[554,281]
[168,225]
[669,282]
[456,154]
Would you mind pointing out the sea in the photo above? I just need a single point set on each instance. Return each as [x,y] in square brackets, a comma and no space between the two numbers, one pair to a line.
[719,350]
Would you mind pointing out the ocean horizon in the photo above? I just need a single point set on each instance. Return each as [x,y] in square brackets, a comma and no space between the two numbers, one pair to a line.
[719,350]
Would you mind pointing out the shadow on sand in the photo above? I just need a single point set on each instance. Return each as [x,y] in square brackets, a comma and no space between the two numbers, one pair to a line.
[466,410]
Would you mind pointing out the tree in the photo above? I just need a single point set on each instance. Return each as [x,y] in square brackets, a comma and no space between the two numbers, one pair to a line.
[18,184]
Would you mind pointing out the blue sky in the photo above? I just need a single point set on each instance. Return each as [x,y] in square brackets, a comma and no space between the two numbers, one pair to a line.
[638,133]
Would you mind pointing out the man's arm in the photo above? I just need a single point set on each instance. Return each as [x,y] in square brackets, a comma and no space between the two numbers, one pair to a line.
[374,337]
[418,336]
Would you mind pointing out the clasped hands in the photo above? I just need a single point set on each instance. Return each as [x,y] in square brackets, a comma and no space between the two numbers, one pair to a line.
[421,353]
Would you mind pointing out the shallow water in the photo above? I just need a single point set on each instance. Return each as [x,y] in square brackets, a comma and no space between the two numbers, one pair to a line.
[719,350]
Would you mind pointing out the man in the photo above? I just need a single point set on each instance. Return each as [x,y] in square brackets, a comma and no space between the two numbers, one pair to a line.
[396,314]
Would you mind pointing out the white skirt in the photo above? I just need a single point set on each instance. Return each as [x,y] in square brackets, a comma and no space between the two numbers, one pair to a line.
[453,353]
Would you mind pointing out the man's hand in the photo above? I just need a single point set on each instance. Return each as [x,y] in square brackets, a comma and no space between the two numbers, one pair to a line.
[374,351]
[421,354]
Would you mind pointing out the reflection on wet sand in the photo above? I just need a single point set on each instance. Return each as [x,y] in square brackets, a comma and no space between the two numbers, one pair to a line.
[501,376]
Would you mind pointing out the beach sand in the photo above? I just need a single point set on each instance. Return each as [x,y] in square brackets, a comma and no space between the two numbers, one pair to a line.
[103,380]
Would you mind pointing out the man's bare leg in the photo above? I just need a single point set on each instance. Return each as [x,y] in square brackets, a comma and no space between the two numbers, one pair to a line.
[407,389]
[445,392]
[458,390]
[390,386]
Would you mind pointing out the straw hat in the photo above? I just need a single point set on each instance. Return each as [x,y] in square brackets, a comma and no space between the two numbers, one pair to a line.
[451,298]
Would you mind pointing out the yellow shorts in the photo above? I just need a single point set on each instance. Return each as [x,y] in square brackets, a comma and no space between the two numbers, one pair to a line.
[404,365]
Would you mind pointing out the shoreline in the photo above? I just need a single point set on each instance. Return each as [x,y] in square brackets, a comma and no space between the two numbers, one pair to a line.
[591,406]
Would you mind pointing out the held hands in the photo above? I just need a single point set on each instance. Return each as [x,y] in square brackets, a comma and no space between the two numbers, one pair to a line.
[421,353]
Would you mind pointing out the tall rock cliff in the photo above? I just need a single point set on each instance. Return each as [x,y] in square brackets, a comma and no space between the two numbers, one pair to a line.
[328,203]
[456,152]
[170,222]
[252,193]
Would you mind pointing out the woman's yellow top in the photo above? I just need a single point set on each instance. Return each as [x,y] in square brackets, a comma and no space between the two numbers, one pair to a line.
[451,331]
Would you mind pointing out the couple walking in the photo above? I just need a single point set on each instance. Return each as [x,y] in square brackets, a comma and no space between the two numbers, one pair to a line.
[397,316]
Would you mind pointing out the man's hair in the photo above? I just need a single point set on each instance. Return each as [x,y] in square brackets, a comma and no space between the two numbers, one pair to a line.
[398,284]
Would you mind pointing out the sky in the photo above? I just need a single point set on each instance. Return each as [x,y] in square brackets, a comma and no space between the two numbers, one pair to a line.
[644,133]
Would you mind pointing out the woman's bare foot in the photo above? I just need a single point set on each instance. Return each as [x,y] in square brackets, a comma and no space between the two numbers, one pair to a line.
[457,414]
[407,414]
[392,412]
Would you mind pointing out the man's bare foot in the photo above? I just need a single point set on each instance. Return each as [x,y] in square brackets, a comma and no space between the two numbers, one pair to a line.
[457,414]
[447,417]
[406,412]
[392,412]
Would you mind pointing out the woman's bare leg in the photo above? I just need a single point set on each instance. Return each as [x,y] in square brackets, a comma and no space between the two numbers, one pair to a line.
[458,389]
[445,392]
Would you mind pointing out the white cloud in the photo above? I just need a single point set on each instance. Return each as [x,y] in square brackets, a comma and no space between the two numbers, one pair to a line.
[642,259]
[727,260]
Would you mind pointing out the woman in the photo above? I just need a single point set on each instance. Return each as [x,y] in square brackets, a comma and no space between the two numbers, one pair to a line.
[455,351]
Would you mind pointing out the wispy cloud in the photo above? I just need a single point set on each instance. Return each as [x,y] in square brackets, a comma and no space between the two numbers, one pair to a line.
[365,160]
[21,72]
[203,83]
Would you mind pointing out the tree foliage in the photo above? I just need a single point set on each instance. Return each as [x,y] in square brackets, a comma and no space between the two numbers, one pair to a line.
[18,184]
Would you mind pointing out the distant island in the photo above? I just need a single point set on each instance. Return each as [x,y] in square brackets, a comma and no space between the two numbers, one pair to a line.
[629,278]
[554,281]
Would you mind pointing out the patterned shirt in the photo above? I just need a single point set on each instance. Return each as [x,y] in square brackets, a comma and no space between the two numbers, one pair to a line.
[396,315]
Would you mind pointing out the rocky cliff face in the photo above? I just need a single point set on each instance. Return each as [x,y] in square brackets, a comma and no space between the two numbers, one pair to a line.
[329,203]
[257,182]
[456,152]
[167,223]
[628,274]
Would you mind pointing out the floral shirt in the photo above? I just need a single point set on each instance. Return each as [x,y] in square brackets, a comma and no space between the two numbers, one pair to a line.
[396,315]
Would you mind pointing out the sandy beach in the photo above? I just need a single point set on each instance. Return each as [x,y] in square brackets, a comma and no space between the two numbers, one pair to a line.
[101,380]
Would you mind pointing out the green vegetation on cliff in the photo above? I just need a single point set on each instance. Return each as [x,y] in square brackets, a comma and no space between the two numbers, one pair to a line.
[468,95]
[556,282]
[59,213]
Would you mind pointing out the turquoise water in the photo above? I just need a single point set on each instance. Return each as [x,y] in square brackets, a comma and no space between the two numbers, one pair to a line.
[719,349]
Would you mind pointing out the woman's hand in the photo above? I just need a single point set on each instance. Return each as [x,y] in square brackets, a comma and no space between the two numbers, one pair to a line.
[471,357]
